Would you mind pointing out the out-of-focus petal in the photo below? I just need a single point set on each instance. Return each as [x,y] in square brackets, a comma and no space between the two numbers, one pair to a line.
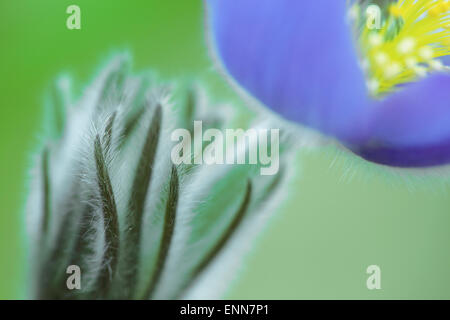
[295,56]
[411,127]
[298,58]
[445,60]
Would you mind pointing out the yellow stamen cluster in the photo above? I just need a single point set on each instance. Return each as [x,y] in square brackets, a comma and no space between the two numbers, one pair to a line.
[413,36]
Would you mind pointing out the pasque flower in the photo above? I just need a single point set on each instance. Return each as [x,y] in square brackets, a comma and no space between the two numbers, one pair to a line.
[384,93]
[106,199]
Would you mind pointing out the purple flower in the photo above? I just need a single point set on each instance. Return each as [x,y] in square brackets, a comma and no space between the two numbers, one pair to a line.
[385,94]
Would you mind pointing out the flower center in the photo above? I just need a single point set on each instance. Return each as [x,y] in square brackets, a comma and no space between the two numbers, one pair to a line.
[401,41]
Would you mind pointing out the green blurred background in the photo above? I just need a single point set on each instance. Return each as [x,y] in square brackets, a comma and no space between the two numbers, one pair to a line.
[337,219]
